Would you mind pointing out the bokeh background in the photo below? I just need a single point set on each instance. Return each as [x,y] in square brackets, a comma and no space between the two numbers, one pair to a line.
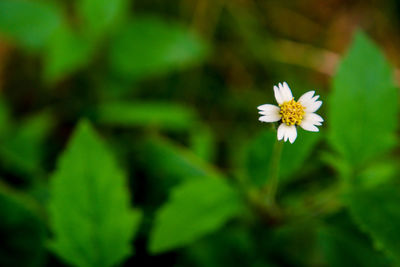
[129,133]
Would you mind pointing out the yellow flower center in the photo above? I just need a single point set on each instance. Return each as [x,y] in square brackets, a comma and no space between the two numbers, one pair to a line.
[291,112]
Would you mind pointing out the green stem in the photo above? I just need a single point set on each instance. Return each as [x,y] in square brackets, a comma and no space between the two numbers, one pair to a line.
[272,184]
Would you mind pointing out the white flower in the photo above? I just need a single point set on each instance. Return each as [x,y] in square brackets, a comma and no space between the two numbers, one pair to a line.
[292,113]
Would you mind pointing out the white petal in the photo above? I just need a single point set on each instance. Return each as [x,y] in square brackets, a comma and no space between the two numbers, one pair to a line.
[315,98]
[305,98]
[270,118]
[287,132]
[313,118]
[285,92]
[278,95]
[268,109]
[312,106]
[281,131]
[308,126]
[292,133]
[268,113]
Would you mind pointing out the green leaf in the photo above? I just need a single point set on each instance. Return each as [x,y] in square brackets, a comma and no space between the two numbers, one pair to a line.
[5,118]
[174,163]
[110,12]
[288,241]
[230,246]
[195,208]
[202,142]
[22,147]
[29,23]
[294,155]
[149,46]
[66,53]
[22,232]
[147,114]
[90,212]
[379,173]
[363,105]
[344,245]
[258,156]
[168,164]
[377,212]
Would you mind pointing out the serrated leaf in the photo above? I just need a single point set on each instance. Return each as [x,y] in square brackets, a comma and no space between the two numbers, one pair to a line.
[260,152]
[377,212]
[149,46]
[195,208]
[363,104]
[90,212]
[147,114]
[29,23]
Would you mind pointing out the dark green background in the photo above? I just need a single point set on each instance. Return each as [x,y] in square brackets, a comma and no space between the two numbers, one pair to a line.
[129,133]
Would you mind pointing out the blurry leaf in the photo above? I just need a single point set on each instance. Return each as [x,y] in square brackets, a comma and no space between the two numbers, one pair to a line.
[202,142]
[66,53]
[294,155]
[379,173]
[168,164]
[150,46]
[174,163]
[195,208]
[287,243]
[344,245]
[90,209]
[259,153]
[363,104]
[377,212]
[29,23]
[22,148]
[258,157]
[5,119]
[115,89]
[342,166]
[230,246]
[22,232]
[110,13]
[158,114]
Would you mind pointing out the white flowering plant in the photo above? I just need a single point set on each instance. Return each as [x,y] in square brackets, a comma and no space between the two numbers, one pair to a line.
[112,155]
[291,113]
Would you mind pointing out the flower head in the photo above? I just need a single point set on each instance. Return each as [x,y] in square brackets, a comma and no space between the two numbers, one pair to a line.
[292,113]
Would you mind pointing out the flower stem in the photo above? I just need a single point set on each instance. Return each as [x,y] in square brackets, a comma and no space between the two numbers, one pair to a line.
[272,184]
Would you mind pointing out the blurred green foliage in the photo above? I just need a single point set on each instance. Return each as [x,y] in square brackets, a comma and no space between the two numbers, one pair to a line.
[357,87]
[344,244]
[129,136]
[196,208]
[163,115]
[258,157]
[30,23]
[22,231]
[155,46]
